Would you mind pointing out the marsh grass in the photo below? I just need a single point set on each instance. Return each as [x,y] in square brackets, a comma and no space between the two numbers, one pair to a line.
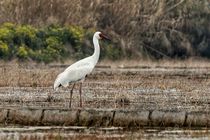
[177,28]
[160,85]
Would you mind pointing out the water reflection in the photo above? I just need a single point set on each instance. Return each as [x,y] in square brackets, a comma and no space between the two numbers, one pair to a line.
[83,133]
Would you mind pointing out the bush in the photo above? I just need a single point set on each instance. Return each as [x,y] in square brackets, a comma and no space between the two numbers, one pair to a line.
[4,50]
[22,52]
[47,44]
[7,32]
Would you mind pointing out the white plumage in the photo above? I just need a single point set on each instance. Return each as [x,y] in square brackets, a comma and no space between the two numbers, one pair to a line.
[74,73]
[78,71]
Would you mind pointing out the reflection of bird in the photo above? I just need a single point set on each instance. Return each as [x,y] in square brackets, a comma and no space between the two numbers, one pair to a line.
[77,71]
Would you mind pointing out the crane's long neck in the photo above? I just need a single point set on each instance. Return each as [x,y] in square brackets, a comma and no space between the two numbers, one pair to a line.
[96,53]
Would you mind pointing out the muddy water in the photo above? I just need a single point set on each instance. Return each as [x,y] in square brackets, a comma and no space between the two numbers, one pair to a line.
[83,133]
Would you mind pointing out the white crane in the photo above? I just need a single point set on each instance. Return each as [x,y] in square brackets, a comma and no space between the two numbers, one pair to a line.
[78,71]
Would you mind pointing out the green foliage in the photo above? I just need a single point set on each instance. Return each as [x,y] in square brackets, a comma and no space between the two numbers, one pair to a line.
[4,50]
[47,44]
[76,34]
[25,34]
[22,52]
[7,32]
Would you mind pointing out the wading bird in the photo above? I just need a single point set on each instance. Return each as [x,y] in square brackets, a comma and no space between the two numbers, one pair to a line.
[77,72]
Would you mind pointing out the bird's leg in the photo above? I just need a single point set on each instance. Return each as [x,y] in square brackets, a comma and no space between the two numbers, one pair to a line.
[71,92]
[80,93]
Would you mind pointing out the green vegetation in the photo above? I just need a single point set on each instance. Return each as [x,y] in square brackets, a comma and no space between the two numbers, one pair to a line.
[47,44]
[140,29]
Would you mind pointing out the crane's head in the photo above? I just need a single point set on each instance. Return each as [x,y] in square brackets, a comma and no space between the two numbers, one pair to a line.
[100,35]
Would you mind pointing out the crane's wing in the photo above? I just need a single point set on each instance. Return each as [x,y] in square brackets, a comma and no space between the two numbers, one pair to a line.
[82,63]
[73,73]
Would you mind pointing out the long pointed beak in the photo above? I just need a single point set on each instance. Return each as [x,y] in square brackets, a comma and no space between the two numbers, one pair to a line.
[105,37]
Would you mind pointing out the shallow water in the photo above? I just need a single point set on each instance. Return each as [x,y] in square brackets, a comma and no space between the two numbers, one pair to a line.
[83,133]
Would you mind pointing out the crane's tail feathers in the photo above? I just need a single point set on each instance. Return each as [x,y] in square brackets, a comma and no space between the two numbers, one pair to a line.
[61,81]
[58,84]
